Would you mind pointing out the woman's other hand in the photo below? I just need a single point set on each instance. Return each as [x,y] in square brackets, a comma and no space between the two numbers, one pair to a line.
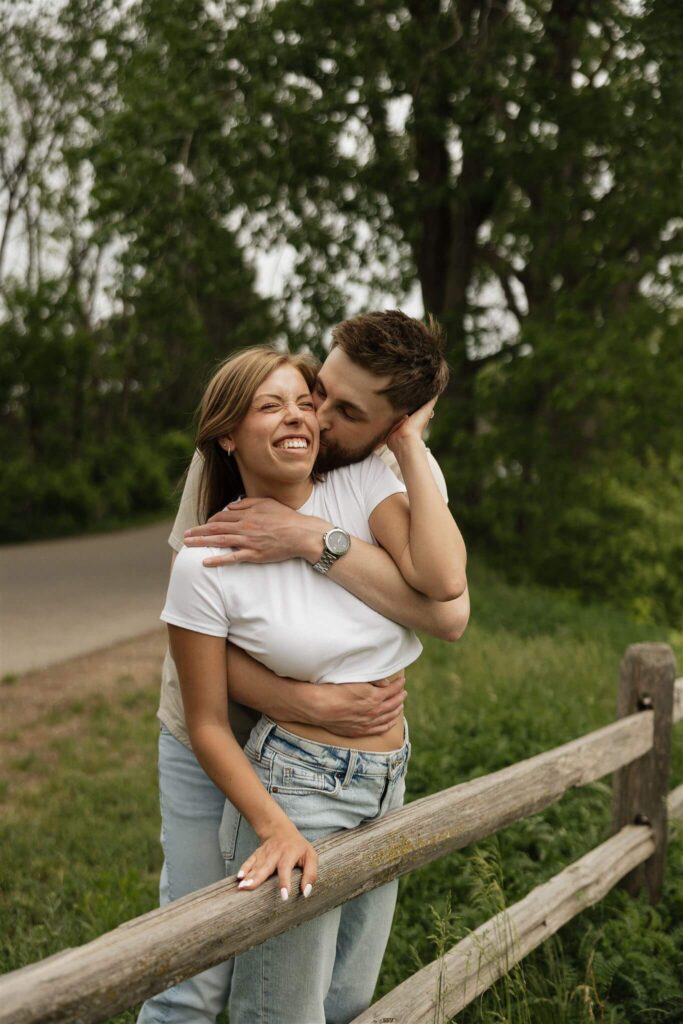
[411,427]
[285,848]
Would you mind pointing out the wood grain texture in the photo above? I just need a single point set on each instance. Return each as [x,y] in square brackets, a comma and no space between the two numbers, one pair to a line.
[640,789]
[147,955]
[446,986]
[678,700]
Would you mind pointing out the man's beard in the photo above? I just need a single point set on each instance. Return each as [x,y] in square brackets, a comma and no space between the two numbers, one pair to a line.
[332,456]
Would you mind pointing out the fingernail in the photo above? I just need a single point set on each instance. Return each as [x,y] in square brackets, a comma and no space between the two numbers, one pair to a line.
[308,889]
[246,883]
[284,894]
[240,873]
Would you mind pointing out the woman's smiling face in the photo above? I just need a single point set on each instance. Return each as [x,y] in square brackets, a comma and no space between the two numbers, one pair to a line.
[277,441]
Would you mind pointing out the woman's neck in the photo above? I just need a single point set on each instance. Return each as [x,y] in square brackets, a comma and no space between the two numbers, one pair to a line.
[293,495]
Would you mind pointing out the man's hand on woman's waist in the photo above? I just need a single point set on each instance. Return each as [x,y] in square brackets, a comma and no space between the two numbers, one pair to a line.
[358,709]
[347,709]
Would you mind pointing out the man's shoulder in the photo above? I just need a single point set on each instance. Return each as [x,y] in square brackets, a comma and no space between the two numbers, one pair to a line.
[186,516]
[389,459]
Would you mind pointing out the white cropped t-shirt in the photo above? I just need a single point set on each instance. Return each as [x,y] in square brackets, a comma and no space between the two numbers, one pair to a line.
[289,617]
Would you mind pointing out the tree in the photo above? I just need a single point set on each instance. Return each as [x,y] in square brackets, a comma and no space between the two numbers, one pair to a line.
[125,282]
[522,160]
[164,183]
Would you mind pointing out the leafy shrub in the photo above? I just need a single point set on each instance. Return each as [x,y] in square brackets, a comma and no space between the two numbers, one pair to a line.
[107,486]
[44,501]
[612,532]
[621,539]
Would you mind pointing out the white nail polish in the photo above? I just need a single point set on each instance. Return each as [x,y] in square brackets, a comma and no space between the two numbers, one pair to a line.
[240,873]
[284,894]
[308,890]
[246,883]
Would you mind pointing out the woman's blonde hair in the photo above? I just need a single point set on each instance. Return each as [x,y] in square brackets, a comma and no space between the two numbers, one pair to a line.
[225,403]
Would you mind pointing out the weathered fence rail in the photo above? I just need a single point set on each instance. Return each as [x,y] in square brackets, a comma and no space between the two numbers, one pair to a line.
[447,985]
[146,955]
[678,700]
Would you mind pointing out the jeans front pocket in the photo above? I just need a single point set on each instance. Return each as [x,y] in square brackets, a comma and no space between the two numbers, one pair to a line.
[295,778]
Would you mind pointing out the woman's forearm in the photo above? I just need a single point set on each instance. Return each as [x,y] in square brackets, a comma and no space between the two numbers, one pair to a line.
[226,764]
[434,561]
[201,664]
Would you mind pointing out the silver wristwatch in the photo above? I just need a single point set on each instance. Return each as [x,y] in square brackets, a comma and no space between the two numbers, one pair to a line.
[336,542]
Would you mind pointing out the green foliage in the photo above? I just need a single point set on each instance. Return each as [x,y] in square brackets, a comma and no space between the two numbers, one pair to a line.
[135,284]
[89,832]
[610,531]
[110,484]
[626,545]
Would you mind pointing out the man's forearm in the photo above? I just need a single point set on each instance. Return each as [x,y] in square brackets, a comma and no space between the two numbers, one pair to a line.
[266,531]
[254,685]
[371,575]
[351,709]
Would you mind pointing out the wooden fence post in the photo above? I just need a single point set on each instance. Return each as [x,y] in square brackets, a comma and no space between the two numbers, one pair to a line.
[646,682]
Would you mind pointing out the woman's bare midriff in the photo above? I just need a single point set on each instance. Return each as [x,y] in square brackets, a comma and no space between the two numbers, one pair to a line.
[392,740]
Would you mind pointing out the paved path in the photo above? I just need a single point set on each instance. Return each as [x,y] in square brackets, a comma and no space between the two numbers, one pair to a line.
[62,598]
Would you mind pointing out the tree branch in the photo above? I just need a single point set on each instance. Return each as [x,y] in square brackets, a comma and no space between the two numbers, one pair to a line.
[504,272]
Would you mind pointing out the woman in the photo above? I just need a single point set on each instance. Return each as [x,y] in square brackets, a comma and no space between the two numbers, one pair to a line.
[294,783]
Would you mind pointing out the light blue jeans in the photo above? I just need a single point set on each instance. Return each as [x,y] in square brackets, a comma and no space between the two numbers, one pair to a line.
[191,812]
[323,971]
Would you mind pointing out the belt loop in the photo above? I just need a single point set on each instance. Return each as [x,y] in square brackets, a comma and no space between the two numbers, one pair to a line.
[350,768]
[263,729]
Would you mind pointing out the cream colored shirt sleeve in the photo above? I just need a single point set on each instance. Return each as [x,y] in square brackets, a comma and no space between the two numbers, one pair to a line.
[187,510]
[389,459]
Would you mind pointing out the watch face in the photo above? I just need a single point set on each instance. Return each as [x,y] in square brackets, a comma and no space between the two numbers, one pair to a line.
[338,542]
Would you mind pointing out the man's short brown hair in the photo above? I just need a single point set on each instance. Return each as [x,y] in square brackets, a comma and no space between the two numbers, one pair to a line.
[391,344]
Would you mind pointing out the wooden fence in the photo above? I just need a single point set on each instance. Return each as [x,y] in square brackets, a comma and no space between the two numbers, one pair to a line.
[150,953]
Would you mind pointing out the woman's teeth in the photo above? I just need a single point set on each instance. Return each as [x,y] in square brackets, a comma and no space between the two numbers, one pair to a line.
[292,444]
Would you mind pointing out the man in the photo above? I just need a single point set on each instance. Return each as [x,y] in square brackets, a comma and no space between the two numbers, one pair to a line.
[382,367]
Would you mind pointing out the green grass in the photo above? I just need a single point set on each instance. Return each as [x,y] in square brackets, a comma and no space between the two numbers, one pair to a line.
[79,831]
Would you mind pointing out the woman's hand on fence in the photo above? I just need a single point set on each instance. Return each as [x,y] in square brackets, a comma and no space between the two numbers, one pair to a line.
[283,850]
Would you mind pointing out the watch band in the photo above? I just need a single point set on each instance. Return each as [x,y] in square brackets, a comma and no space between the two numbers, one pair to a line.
[325,563]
